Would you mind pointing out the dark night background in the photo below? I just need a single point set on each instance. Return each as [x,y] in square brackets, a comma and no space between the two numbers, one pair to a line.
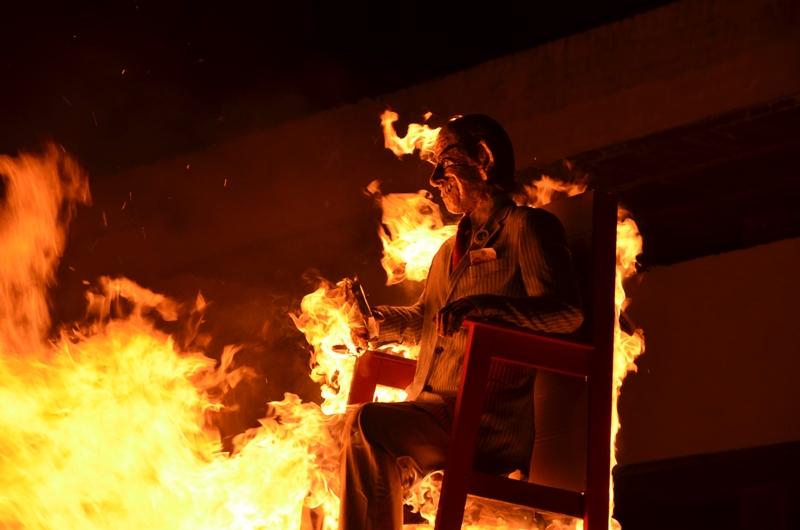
[128,82]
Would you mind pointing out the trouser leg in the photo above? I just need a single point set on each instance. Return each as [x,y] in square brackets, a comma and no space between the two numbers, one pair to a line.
[376,435]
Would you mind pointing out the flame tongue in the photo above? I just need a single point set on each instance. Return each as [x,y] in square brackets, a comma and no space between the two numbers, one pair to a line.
[419,136]
[325,318]
[627,346]
[411,232]
[40,198]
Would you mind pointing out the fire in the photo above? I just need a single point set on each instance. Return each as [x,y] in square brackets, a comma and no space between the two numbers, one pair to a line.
[541,191]
[627,346]
[411,232]
[111,431]
[109,425]
[325,319]
[419,136]
[32,239]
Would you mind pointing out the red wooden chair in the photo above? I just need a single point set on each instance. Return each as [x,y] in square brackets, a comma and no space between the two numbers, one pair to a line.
[590,224]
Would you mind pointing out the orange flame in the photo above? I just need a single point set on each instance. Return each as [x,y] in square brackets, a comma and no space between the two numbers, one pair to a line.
[108,426]
[627,346]
[33,229]
[541,192]
[419,136]
[325,319]
[411,232]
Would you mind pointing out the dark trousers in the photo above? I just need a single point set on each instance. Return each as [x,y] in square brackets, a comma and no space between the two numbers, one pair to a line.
[387,446]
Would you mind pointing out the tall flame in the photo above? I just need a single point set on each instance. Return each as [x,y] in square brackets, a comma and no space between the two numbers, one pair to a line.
[33,228]
[109,425]
[541,191]
[627,346]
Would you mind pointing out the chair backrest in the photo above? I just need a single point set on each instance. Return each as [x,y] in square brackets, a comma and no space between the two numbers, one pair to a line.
[560,402]
[589,221]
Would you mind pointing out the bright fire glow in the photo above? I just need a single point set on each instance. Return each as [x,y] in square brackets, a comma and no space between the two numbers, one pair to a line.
[325,318]
[541,191]
[411,232]
[108,426]
[419,136]
[627,346]
[32,239]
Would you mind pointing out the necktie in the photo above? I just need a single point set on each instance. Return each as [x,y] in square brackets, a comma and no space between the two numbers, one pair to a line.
[463,237]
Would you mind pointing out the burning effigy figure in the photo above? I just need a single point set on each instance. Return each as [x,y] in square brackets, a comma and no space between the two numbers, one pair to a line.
[507,264]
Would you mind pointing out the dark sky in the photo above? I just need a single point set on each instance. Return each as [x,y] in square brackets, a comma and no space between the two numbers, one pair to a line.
[127,82]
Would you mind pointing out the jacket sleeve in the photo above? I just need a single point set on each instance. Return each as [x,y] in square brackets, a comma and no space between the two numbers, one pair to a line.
[552,304]
[401,323]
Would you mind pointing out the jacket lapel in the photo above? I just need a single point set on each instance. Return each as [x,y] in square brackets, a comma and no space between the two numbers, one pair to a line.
[480,239]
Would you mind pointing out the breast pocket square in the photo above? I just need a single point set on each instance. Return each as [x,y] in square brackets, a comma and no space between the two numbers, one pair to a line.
[482,255]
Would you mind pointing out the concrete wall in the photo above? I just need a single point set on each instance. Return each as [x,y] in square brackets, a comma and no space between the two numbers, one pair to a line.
[723,355]
[672,66]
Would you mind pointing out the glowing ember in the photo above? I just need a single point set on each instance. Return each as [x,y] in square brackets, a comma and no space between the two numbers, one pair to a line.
[387,394]
[32,239]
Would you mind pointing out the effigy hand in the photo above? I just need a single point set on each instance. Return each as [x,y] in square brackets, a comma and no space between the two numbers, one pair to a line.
[451,317]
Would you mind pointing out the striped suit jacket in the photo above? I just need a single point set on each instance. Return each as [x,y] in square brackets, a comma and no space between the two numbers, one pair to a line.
[530,273]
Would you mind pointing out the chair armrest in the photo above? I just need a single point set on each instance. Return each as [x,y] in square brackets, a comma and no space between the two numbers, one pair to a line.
[375,368]
[523,347]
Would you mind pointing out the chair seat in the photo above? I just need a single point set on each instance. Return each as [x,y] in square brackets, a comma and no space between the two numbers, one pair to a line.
[520,492]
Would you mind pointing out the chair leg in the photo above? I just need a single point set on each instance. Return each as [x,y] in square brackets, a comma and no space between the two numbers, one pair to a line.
[463,438]
[451,504]
[362,388]
[598,481]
